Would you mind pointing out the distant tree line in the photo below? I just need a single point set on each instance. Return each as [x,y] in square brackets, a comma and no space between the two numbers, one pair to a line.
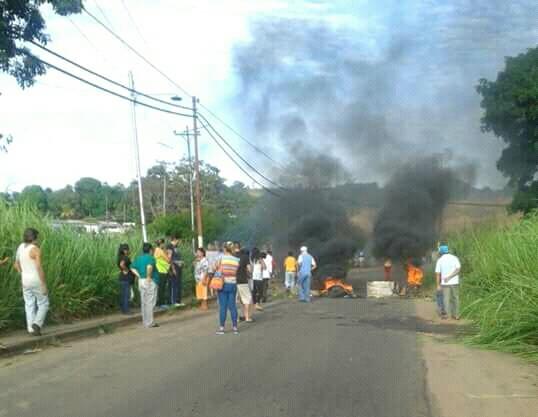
[91,198]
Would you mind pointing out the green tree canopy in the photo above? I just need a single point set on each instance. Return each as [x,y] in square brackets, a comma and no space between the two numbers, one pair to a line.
[35,196]
[91,196]
[21,20]
[511,113]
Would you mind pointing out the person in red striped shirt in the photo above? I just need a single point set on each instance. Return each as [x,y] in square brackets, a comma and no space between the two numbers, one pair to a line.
[227,269]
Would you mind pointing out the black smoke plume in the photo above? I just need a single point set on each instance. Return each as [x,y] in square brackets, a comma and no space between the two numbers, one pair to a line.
[347,92]
[306,214]
[408,224]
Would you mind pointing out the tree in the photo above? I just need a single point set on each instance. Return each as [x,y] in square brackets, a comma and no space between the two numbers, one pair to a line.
[34,195]
[511,113]
[4,142]
[91,197]
[64,203]
[21,20]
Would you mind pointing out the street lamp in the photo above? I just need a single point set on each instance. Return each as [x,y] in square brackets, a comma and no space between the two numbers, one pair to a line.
[176,98]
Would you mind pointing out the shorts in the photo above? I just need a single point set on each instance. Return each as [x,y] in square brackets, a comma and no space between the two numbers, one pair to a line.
[244,294]
[201,291]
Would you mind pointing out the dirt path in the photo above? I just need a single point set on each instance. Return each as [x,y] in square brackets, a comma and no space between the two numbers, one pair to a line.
[469,382]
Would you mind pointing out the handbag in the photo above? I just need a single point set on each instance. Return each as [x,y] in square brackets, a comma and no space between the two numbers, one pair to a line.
[216,283]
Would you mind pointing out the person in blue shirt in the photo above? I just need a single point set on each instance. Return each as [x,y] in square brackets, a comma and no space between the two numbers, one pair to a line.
[148,284]
[307,264]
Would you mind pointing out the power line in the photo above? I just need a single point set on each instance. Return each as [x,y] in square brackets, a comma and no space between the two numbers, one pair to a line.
[56,54]
[241,136]
[131,18]
[79,30]
[163,74]
[106,90]
[239,155]
[142,57]
[103,13]
[239,165]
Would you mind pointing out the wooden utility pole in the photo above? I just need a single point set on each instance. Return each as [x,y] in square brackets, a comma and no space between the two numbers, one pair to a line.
[137,159]
[187,137]
[197,172]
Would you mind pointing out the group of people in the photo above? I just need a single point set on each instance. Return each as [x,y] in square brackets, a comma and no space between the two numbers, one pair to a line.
[239,275]
[233,274]
[159,271]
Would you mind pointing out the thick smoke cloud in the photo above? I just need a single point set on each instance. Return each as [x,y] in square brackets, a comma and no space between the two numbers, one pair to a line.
[365,91]
[306,214]
[381,83]
[408,224]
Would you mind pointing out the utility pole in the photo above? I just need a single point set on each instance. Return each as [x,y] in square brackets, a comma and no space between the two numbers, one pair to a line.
[165,174]
[197,171]
[186,135]
[137,157]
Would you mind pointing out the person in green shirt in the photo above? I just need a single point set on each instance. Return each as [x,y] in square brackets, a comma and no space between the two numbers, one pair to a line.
[148,283]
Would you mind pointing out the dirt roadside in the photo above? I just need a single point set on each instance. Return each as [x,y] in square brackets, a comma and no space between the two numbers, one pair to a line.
[469,382]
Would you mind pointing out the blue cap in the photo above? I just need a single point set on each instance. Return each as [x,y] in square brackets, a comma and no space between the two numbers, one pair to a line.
[443,249]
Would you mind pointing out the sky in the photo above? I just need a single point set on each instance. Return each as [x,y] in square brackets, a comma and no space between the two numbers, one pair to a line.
[64,130]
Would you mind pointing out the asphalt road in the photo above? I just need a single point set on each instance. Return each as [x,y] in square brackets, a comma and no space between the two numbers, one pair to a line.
[332,358]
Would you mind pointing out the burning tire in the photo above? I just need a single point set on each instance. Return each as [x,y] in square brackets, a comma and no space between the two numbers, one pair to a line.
[336,292]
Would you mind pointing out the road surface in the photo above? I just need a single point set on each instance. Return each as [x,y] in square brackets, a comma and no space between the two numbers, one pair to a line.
[331,358]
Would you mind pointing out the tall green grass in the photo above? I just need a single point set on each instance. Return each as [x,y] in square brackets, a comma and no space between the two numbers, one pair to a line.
[80,269]
[500,284]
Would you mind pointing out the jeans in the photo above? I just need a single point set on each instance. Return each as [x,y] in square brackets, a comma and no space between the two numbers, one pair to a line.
[176,284]
[257,291]
[148,298]
[304,287]
[125,295]
[36,305]
[226,298]
[440,303]
[451,300]
[164,289]
[290,280]
[265,290]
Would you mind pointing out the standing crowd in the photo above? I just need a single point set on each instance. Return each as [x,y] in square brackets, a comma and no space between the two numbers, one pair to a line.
[231,274]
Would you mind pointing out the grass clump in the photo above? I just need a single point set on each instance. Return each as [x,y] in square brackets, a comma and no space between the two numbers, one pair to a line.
[500,285]
[80,268]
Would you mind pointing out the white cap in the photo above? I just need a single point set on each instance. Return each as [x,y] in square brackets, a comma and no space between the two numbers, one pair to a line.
[304,248]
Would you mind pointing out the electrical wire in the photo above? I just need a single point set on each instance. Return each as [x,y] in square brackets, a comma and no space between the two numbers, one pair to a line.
[103,13]
[56,54]
[106,90]
[261,151]
[142,57]
[174,83]
[208,124]
[79,30]
[131,18]
[239,165]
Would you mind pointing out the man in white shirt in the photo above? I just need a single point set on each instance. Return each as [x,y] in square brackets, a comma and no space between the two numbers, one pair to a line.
[447,272]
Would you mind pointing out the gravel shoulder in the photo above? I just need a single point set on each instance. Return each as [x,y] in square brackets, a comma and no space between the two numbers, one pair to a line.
[471,382]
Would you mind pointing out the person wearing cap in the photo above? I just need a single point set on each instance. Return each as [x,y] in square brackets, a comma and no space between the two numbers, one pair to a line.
[447,272]
[307,264]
